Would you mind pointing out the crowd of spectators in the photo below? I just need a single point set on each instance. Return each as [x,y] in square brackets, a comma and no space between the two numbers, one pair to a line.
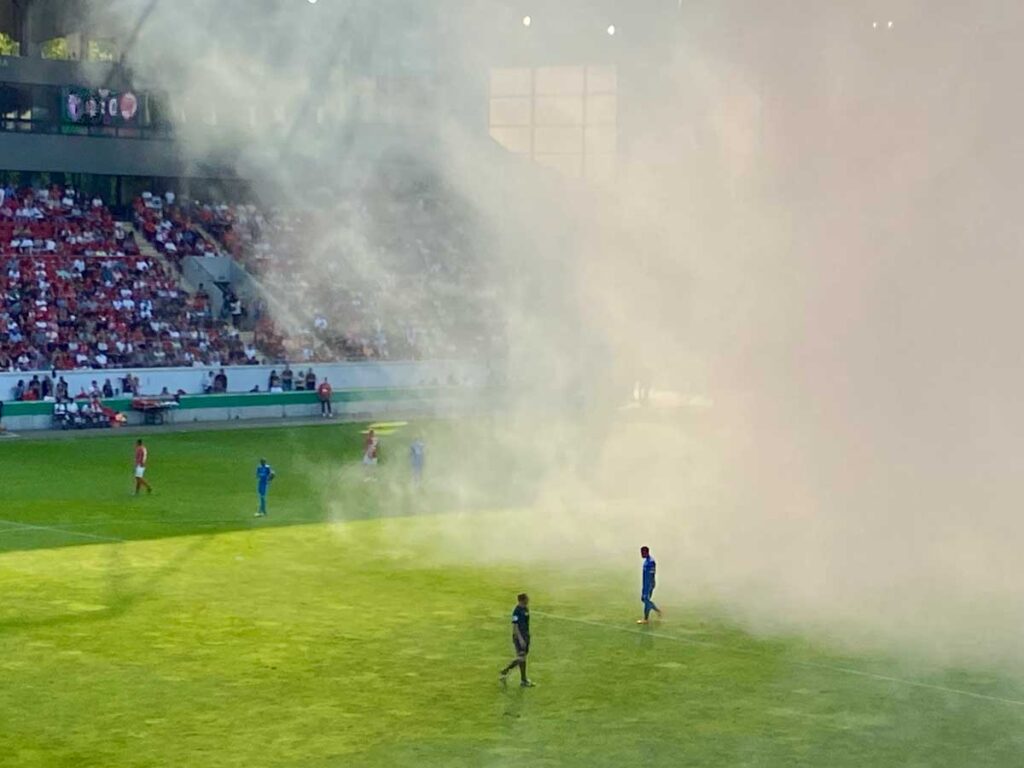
[84,410]
[249,235]
[76,293]
[391,272]
[289,381]
[51,385]
[59,221]
[169,227]
[90,414]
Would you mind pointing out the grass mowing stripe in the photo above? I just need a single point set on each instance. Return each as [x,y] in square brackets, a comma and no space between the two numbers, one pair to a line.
[192,521]
[799,663]
[15,526]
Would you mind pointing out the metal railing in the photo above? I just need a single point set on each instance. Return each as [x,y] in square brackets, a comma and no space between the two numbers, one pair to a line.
[56,128]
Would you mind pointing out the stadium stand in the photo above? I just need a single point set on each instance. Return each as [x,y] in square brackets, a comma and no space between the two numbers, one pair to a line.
[170,230]
[397,279]
[389,273]
[77,293]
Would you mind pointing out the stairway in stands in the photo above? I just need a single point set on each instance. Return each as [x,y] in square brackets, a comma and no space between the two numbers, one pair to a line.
[286,317]
[222,285]
[247,336]
[148,250]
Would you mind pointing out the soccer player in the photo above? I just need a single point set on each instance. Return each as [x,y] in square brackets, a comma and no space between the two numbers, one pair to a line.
[264,474]
[520,640]
[370,449]
[417,454]
[648,584]
[141,457]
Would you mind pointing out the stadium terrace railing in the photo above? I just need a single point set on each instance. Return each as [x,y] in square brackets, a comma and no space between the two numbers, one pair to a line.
[52,127]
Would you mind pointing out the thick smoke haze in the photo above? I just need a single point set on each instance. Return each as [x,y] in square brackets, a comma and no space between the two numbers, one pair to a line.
[812,228]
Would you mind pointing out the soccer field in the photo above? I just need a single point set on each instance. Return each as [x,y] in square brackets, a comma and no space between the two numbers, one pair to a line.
[175,629]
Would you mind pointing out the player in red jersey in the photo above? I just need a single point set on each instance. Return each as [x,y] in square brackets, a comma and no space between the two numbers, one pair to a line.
[370,449]
[141,456]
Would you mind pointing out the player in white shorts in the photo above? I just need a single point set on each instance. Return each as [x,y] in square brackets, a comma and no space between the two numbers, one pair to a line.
[141,457]
[370,450]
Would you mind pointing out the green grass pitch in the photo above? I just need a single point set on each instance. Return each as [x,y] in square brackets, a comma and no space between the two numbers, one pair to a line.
[175,630]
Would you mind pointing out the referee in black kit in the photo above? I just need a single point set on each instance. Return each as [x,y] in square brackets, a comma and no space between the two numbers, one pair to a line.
[520,639]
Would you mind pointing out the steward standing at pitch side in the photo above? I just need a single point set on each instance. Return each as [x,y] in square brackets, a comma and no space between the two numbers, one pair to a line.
[324,393]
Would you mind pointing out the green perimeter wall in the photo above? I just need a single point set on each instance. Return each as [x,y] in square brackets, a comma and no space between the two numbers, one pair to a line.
[197,402]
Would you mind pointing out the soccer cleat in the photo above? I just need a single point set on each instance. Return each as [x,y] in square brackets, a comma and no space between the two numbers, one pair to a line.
[503,678]
[527,684]
[642,621]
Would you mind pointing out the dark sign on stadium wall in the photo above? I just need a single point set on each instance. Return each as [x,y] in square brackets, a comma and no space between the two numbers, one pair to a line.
[99,106]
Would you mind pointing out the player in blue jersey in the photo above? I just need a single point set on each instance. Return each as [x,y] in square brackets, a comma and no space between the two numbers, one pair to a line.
[520,640]
[648,583]
[417,456]
[264,474]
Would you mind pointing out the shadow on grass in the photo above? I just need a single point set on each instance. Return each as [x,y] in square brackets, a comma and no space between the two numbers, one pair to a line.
[377,500]
[122,592]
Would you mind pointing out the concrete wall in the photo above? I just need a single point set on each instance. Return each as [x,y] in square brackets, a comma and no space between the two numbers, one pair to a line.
[243,378]
[207,271]
[212,269]
[354,404]
[38,71]
[243,283]
[89,154]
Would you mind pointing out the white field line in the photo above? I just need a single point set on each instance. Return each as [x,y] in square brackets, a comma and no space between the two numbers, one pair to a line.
[187,521]
[101,523]
[798,663]
[15,526]
[11,525]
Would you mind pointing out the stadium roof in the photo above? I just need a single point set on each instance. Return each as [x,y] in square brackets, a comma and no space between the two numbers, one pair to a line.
[36,21]
[566,21]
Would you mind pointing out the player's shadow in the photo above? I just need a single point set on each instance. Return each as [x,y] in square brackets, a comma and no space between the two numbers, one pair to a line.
[122,591]
[513,701]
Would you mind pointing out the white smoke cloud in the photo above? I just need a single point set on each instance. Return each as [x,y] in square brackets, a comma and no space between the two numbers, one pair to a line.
[812,226]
